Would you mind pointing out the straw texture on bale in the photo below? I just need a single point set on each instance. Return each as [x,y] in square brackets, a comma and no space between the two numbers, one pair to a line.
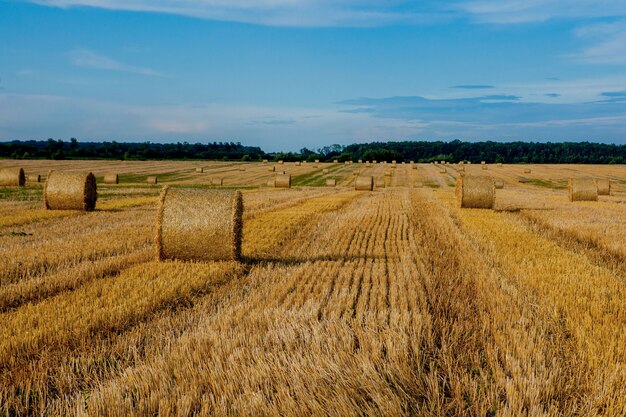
[111,179]
[442,171]
[582,189]
[482,162]
[152,180]
[364,183]
[12,177]
[475,192]
[317,161]
[498,183]
[217,181]
[374,162]
[199,224]
[604,186]
[271,169]
[283,181]
[527,171]
[271,182]
[360,161]
[70,191]
[200,170]
[33,178]
[281,162]
[379,183]
[331,182]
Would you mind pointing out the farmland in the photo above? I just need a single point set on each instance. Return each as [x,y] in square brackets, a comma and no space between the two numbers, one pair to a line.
[389,302]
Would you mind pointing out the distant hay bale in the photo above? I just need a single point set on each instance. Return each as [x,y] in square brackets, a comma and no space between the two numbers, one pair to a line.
[152,180]
[499,164]
[360,161]
[272,169]
[443,170]
[498,183]
[199,224]
[12,177]
[394,161]
[582,189]
[70,191]
[317,161]
[527,171]
[522,180]
[242,168]
[217,181]
[347,163]
[33,178]
[331,182]
[413,166]
[281,162]
[379,183]
[462,169]
[483,167]
[418,184]
[283,181]
[314,166]
[297,164]
[200,170]
[335,160]
[364,183]
[475,192]
[111,179]
[443,162]
[374,162]
[265,161]
[387,173]
[325,171]
[604,186]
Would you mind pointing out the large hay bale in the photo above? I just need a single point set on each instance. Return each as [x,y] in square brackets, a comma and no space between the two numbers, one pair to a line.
[498,183]
[364,183]
[582,189]
[12,177]
[33,178]
[331,182]
[604,186]
[152,180]
[70,191]
[199,224]
[199,170]
[111,179]
[475,192]
[217,181]
[283,181]
[527,171]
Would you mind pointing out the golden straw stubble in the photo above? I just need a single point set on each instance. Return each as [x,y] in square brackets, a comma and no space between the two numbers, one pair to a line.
[475,192]
[582,189]
[12,177]
[199,224]
[70,191]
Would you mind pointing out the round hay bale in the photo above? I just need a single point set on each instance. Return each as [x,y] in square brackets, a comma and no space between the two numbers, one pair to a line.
[272,169]
[199,170]
[298,164]
[484,167]
[111,179]
[242,168]
[364,183]
[522,180]
[482,162]
[70,191]
[499,164]
[217,181]
[498,183]
[604,186]
[331,182]
[443,170]
[346,163]
[283,181]
[374,162]
[475,192]
[12,177]
[33,178]
[335,160]
[317,161]
[527,171]
[271,182]
[265,161]
[582,189]
[325,171]
[387,173]
[199,224]
[281,162]
[462,168]
[360,161]
[152,180]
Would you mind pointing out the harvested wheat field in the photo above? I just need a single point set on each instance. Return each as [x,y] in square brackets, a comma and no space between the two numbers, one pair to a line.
[395,301]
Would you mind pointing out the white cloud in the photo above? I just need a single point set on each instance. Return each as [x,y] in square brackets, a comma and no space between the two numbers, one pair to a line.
[527,11]
[606,43]
[305,13]
[89,59]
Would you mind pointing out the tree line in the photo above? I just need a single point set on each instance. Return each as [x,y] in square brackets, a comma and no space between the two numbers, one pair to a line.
[422,151]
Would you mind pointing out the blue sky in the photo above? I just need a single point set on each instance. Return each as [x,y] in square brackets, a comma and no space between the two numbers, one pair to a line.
[284,74]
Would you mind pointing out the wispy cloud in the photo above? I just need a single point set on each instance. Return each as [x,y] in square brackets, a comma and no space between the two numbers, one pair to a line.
[606,43]
[89,59]
[472,86]
[309,13]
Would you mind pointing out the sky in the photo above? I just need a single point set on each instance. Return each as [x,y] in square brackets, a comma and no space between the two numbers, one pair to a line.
[288,74]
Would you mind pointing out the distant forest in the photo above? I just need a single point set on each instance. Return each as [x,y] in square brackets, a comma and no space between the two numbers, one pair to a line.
[454,151]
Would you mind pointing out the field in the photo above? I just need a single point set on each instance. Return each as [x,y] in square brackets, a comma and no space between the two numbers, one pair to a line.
[390,302]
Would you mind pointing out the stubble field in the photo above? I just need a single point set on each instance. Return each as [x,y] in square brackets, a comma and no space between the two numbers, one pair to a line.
[390,302]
